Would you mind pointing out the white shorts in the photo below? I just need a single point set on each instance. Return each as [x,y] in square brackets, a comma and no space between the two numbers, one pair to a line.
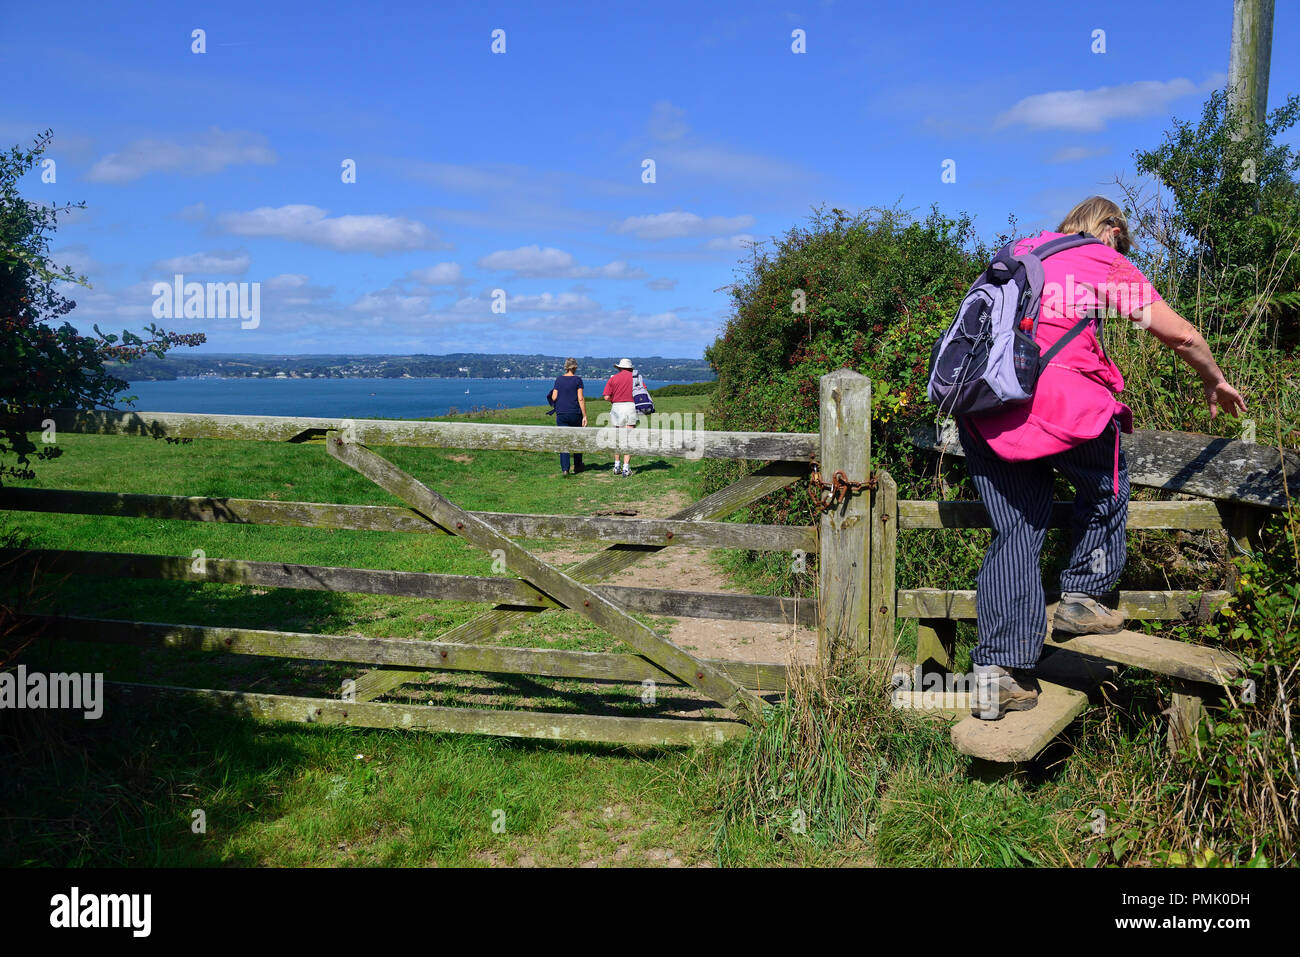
[622,414]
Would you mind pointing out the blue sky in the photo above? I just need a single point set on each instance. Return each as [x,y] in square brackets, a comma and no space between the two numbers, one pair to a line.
[522,171]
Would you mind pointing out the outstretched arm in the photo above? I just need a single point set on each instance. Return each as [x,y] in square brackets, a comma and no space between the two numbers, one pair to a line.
[1181,336]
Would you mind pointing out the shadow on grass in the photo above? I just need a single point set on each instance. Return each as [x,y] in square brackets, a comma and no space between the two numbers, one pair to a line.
[121,791]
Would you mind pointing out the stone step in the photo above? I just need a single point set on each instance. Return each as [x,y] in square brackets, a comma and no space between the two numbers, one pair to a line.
[1020,735]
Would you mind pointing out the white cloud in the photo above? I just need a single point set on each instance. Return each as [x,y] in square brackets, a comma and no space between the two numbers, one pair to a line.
[662,285]
[311,224]
[294,289]
[194,213]
[680,223]
[442,274]
[390,301]
[534,262]
[529,259]
[77,257]
[667,122]
[204,154]
[1090,110]
[680,151]
[739,241]
[287,280]
[1074,154]
[657,330]
[719,162]
[546,302]
[213,262]
[489,178]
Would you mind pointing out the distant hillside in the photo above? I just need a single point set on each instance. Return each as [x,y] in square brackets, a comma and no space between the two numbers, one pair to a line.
[456,365]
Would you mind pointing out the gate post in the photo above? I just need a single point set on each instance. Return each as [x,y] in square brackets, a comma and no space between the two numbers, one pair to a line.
[844,635]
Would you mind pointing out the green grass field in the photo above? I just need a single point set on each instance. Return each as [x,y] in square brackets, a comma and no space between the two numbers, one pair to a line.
[124,790]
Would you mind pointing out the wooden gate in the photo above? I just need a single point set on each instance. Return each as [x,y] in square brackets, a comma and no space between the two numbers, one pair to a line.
[737,686]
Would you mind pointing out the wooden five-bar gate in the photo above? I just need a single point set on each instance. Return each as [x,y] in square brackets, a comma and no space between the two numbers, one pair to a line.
[856,540]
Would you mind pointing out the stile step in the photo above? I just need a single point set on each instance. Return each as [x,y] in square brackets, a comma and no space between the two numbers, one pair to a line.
[1179,659]
[1020,735]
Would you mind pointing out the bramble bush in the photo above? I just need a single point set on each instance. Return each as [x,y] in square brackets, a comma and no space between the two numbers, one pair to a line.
[1217,226]
[876,289]
[42,366]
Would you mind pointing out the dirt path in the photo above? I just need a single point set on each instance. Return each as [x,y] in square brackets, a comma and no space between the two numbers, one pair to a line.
[692,569]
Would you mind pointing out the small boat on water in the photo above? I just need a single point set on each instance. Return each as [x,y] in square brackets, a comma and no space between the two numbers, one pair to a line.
[467,391]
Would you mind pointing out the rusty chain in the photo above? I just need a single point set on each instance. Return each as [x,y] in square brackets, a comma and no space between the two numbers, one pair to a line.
[827,494]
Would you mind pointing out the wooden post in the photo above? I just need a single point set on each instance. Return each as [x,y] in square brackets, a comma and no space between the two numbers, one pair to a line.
[936,641]
[845,446]
[1248,60]
[884,555]
[1185,711]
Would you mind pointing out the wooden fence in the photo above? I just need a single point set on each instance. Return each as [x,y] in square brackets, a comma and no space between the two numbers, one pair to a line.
[856,540]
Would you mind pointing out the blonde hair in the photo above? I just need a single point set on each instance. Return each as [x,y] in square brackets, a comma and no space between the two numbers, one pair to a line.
[1097,215]
[570,365]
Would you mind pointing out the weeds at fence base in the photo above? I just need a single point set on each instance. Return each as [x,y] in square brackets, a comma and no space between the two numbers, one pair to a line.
[816,771]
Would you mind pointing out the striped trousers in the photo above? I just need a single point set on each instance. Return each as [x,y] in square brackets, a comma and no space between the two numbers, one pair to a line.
[1010,606]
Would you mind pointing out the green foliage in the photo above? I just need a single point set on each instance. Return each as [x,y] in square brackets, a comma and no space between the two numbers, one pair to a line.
[1248,801]
[1225,243]
[42,367]
[876,289]
[1220,239]
[814,774]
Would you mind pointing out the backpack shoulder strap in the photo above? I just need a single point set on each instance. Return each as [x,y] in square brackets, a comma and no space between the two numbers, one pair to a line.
[1061,244]
[1064,341]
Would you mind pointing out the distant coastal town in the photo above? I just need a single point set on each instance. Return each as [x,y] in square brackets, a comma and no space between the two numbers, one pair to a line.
[454,366]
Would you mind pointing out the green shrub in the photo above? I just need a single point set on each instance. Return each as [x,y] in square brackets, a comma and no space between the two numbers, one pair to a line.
[876,290]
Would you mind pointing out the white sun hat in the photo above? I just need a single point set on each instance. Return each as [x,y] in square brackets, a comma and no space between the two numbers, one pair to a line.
[624,363]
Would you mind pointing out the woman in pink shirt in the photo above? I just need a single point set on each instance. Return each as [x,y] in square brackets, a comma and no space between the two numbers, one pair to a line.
[1071,425]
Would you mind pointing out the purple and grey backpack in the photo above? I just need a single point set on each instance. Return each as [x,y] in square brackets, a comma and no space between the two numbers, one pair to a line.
[986,360]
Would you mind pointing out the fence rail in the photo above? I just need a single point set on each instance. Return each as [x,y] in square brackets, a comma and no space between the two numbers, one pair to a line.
[387,518]
[672,436]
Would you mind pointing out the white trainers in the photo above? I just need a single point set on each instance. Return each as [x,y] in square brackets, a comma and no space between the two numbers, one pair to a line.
[627,471]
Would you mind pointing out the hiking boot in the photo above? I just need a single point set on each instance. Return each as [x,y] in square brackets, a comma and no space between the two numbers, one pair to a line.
[1080,614]
[998,690]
